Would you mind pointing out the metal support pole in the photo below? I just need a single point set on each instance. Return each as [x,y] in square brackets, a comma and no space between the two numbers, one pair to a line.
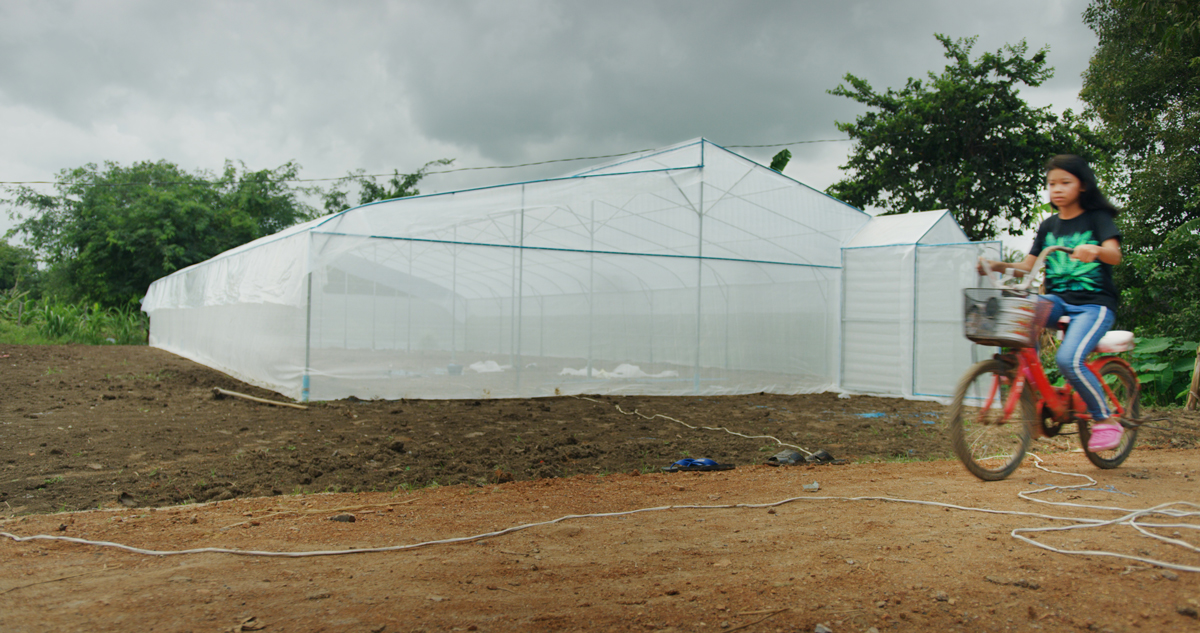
[512,305]
[454,297]
[591,287]
[307,342]
[651,328]
[726,293]
[374,294]
[409,298]
[520,294]
[699,285]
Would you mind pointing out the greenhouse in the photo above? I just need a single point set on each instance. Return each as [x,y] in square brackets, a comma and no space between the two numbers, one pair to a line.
[688,270]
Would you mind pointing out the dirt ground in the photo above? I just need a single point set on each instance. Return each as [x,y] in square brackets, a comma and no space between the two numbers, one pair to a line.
[130,445]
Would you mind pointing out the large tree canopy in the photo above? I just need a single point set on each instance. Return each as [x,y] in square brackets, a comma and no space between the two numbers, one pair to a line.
[964,141]
[108,232]
[1143,84]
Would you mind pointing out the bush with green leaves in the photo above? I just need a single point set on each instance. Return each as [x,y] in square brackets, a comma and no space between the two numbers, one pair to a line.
[1164,366]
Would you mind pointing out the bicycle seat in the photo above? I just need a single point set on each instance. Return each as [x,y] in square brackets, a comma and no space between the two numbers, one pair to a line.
[1111,343]
[1115,341]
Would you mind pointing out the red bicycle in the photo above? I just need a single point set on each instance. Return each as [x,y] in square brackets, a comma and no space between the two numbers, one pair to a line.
[1000,403]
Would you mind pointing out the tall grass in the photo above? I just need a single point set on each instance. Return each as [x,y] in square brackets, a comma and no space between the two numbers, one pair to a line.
[24,320]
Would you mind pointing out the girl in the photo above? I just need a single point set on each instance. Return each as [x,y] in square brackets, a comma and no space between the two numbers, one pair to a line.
[1079,285]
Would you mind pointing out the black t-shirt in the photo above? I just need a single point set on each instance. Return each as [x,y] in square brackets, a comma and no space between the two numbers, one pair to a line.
[1076,282]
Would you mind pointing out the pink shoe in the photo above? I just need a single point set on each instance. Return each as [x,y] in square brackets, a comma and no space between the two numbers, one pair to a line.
[1104,437]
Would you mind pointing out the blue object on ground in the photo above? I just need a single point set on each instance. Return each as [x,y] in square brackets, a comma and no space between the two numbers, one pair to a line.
[696,464]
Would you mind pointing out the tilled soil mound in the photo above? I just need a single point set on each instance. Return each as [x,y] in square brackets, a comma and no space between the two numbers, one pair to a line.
[83,426]
[882,542]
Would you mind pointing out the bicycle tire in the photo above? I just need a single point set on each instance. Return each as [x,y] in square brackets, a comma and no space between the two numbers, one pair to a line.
[1124,388]
[991,447]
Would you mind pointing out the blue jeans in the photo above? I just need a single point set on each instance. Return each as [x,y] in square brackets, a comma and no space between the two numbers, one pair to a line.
[1088,324]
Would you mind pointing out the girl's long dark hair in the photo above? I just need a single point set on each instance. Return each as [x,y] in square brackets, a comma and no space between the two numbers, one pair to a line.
[1090,196]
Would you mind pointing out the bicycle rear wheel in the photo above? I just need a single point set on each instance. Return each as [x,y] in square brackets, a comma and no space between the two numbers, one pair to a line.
[1120,380]
[990,442]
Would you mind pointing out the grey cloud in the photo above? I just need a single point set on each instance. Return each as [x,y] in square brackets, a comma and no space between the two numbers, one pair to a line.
[616,73]
[383,85]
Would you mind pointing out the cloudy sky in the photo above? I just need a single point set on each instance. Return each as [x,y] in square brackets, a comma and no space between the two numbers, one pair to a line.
[380,85]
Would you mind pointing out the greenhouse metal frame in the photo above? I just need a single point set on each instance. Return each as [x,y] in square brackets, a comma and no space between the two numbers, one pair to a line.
[688,270]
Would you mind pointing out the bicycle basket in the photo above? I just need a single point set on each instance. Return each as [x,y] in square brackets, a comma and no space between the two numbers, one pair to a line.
[1004,318]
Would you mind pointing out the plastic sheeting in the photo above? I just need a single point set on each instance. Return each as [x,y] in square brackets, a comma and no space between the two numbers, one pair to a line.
[687,270]
[902,311]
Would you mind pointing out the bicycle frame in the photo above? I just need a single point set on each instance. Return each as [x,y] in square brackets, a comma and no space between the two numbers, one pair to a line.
[1030,371]
[992,394]
[1056,399]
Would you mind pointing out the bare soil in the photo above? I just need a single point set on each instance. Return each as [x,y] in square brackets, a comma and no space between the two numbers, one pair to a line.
[130,445]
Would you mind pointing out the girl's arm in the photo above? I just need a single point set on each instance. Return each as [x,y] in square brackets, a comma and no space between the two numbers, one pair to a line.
[1109,252]
[1022,267]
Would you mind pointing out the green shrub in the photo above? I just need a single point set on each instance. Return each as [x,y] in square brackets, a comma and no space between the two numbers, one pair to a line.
[1164,366]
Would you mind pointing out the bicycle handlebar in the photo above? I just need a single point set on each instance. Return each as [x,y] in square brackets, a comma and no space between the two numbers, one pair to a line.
[997,279]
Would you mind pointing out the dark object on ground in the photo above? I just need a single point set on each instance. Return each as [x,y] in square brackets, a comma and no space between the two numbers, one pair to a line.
[823,457]
[786,457]
[702,464]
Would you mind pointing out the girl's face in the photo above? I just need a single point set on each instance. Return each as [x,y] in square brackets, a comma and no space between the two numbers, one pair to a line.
[1064,188]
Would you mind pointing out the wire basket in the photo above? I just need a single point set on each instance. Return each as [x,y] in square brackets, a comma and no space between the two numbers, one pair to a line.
[1003,318]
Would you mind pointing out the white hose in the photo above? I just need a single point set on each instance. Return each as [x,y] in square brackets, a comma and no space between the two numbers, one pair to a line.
[1128,517]
[694,428]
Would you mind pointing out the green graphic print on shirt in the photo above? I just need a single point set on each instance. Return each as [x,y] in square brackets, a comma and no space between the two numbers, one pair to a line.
[1066,274]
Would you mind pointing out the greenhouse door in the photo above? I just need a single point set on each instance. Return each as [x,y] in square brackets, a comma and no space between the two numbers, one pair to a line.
[877,321]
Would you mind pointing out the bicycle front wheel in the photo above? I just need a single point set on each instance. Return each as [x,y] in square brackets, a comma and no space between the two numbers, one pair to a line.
[1120,380]
[990,433]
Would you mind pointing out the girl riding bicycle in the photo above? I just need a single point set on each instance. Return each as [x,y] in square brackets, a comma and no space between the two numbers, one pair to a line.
[1079,285]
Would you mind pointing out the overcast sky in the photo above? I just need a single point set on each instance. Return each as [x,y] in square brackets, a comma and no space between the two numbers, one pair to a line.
[380,85]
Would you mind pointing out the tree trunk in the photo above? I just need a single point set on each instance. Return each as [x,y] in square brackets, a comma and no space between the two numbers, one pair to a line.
[1194,393]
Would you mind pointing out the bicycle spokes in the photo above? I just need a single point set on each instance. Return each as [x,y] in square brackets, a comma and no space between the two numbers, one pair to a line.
[1002,399]
[989,422]
[1114,399]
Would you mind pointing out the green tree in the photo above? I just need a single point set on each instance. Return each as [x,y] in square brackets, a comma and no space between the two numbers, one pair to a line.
[107,233]
[398,186]
[1143,85]
[266,198]
[18,268]
[963,140]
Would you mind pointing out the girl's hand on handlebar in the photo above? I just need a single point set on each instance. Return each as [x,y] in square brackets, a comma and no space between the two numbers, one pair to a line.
[1086,253]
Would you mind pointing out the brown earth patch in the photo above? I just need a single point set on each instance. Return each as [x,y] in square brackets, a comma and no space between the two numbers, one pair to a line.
[81,426]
